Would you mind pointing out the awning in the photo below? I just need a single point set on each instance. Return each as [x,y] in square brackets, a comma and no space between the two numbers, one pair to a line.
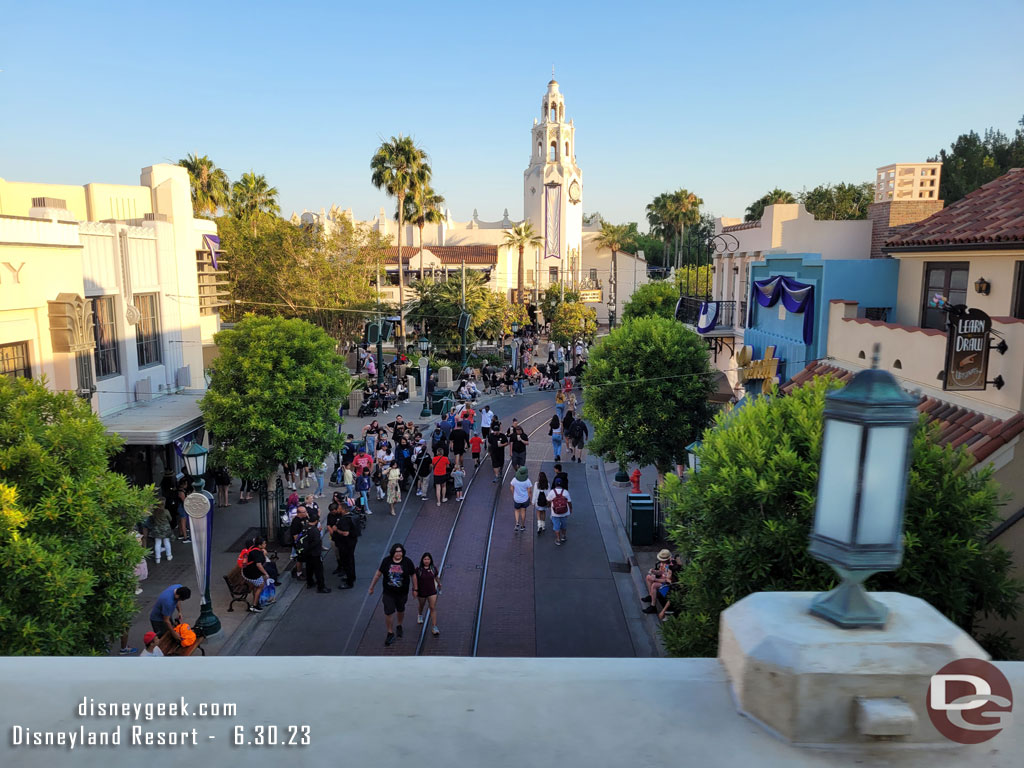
[159,421]
[722,393]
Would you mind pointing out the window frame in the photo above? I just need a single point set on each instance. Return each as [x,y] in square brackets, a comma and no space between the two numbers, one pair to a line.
[948,267]
[1017,305]
[113,349]
[23,372]
[147,331]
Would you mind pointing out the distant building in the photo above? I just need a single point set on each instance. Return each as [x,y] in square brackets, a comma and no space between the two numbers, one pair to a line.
[552,202]
[112,292]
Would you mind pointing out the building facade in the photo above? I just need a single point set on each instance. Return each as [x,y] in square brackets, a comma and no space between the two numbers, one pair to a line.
[112,292]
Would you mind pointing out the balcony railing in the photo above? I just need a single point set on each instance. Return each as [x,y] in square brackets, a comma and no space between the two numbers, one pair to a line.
[689,307]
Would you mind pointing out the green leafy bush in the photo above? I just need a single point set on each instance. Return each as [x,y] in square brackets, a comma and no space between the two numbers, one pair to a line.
[67,552]
[742,523]
[654,298]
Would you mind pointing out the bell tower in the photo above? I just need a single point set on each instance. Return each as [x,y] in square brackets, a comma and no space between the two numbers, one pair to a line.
[553,187]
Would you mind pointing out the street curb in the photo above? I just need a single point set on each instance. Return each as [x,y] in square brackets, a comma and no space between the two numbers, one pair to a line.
[255,628]
[627,548]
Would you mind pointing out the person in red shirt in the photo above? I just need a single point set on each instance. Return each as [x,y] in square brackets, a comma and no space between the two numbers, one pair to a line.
[441,464]
[361,462]
[475,444]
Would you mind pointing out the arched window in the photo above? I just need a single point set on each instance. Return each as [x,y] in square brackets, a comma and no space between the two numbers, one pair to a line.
[553,152]
[540,149]
[554,113]
[567,149]
[561,112]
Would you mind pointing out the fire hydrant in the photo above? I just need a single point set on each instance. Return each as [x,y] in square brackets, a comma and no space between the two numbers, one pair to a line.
[635,478]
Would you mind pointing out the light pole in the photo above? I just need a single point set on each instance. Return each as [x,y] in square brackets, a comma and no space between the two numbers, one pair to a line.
[519,346]
[424,345]
[199,506]
[862,483]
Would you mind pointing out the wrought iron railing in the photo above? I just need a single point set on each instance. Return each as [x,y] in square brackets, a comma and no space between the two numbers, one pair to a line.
[688,311]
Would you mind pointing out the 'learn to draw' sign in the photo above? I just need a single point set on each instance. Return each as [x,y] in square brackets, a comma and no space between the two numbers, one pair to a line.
[967,351]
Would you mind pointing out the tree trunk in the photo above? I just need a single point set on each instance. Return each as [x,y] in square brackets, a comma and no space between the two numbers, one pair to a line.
[521,277]
[421,251]
[400,341]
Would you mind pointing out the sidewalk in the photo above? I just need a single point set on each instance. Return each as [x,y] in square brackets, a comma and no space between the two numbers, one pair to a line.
[231,527]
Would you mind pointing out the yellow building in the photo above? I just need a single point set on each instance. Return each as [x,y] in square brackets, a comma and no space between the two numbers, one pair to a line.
[109,291]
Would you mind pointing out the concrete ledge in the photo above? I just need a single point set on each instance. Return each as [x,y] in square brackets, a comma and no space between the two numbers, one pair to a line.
[802,676]
[391,712]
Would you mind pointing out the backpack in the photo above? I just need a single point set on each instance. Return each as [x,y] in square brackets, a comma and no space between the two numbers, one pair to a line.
[301,541]
[243,557]
[559,504]
[576,430]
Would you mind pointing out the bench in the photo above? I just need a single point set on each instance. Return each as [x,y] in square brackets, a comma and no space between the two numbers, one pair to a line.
[239,588]
[171,647]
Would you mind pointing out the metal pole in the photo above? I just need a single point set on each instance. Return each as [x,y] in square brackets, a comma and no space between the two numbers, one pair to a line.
[380,350]
[536,278]
[464,329]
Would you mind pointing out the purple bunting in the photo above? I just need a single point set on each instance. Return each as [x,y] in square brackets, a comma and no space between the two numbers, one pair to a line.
[796,297]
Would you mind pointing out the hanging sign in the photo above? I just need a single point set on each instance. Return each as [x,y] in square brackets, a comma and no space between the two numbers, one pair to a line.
[757,370]
[967,351]
[591,296]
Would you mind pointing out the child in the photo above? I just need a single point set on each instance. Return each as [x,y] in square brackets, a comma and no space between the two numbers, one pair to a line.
[151,649]
[363,487]
[458,478]
[378,481]
[475,444]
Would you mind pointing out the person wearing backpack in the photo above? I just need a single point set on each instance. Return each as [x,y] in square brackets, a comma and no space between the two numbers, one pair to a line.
[578,434]
[560,503]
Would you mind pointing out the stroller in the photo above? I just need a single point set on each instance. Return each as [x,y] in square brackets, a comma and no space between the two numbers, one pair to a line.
[358,511]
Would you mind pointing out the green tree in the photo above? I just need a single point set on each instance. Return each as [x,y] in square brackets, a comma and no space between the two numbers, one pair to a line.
[839,202]
[670,213]
[253,200]
[612,236]
[693,281]
[647,385]
[974,160]
[756,209]
[657,298]
[573,321]
[399,167]
[67,581]
[438,304]
[552,298]
[519,237]
[741,523]
[294,271]
[274,395]
[423,207]
[211,189]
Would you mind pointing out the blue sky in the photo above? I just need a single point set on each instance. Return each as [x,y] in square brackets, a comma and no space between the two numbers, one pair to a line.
[727,99]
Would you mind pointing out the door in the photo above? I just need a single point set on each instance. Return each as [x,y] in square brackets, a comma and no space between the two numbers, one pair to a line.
[946,278]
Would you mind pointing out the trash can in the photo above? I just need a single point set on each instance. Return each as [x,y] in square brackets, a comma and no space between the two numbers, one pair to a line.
[440,401]
[641,519]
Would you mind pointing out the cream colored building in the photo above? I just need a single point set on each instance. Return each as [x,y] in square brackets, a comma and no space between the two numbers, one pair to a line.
[109,291]
[907,181]
[552,202]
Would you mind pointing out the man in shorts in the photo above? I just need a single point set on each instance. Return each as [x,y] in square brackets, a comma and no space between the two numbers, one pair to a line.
[397,571]
[486,420]
[475,444]
[560,504]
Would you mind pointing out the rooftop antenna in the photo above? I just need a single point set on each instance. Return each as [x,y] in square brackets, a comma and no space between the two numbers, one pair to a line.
[552,71]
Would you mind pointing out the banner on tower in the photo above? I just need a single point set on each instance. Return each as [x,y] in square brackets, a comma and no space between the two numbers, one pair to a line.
[552,219]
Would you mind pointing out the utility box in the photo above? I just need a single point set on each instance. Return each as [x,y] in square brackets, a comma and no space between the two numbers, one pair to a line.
[641,519]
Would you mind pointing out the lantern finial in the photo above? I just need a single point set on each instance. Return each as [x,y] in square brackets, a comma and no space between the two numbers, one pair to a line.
[876,353]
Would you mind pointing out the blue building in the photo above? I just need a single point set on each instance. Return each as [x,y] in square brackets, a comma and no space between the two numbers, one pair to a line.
[788,308]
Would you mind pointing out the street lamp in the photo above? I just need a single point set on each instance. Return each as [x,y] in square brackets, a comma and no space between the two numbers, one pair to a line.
[199,506]
[424,345]
[862,483]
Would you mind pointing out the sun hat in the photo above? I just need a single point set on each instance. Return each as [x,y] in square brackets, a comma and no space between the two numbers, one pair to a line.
[664,556]
[522,474]
[149,637]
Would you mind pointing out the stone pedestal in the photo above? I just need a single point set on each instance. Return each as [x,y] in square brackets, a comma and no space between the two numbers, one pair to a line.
[444,377]
[355,399]
[410,382]
[808,680]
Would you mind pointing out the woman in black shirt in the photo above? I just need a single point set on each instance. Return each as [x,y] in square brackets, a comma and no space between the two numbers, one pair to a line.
[255,572]
[497,441]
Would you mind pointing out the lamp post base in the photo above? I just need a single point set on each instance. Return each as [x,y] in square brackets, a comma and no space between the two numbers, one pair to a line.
[849,606]
[621,476]
[208,623]
[425,413]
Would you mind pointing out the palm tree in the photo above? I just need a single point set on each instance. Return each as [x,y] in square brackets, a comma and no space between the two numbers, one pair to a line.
[756,209]
[253,198]
[520,236]
[423,207]
[683,208]
[211,189]
[612,236]
[399,167]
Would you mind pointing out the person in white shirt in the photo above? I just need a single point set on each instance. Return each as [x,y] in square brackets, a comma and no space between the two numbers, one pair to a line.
[151,649]
[560,505]
[486,419]
[521,487]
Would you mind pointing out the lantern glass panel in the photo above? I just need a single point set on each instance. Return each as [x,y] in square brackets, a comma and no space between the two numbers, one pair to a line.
[837,480]
[881,491]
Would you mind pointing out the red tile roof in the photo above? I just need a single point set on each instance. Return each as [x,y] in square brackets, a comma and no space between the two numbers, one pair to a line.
[745,225]
[447,254]
[990,215]
[981,435]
